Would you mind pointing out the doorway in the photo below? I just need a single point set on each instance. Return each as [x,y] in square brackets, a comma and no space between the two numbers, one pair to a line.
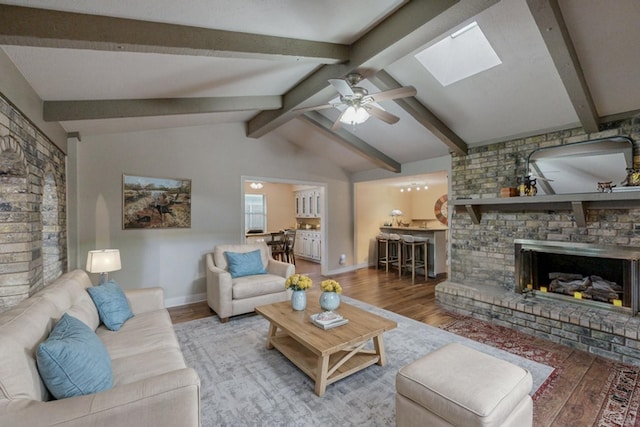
[281,212]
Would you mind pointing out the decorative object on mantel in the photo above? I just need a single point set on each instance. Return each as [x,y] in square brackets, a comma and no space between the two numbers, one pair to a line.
[298,283]
[633,178]
[330,296]
[509,192]
[605,187]
[528,186]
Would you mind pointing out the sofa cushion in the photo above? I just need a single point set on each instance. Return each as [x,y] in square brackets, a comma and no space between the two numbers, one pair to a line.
[245,264]
[144,333]
[111,303]
[253,286]
[72,361]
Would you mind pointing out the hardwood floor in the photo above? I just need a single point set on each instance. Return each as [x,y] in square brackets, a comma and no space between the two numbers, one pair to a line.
[572,401]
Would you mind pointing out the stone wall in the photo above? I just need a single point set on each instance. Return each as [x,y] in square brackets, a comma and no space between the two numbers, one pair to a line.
[484,253]
[33,246]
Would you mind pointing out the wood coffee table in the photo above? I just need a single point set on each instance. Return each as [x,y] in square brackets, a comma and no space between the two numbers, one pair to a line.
[326,356]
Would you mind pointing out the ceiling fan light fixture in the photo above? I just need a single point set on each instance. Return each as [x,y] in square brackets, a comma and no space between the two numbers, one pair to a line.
[354,115]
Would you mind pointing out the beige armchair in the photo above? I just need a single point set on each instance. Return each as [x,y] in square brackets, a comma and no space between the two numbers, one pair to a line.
[229,296]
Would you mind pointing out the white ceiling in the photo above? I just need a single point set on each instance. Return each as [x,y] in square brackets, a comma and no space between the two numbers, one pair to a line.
[527,94]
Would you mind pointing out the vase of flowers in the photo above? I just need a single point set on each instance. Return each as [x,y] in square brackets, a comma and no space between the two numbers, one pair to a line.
[330,297]
[298,283]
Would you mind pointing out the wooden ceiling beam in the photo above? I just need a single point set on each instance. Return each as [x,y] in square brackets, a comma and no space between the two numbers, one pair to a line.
[59,111]
[24,26]
[351,142]
[548,18]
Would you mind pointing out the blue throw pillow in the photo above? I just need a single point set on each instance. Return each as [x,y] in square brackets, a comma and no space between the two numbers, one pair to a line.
[245,264]
[73,361]
[112,304]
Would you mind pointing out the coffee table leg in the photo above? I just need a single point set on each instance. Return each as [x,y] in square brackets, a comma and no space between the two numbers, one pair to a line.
[272,333]
[321,374]
[379,346]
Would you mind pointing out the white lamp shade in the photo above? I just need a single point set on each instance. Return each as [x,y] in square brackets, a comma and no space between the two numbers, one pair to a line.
[354,115]
[103,261]
[396,212]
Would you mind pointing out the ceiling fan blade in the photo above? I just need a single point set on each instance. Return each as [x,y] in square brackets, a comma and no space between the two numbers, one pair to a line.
[382,115]
[315,107]
[401,92]
[342,87]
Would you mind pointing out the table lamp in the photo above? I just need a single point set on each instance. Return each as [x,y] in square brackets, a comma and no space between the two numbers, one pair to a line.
[103,261]
[395,214]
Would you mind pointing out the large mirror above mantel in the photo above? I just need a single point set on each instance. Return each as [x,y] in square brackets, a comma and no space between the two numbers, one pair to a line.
[579,167]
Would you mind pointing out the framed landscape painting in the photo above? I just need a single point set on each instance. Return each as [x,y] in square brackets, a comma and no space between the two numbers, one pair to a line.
[149,202]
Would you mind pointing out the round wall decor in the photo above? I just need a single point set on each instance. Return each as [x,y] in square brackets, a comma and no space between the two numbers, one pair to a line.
[441,209]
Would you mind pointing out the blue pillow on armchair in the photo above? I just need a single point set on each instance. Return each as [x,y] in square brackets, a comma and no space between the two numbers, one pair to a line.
[245,263]
[112,304]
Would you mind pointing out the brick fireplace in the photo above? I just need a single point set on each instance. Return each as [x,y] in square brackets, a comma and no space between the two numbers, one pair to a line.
[483,280]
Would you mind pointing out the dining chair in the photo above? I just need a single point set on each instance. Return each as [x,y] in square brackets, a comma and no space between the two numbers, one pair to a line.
[289,246]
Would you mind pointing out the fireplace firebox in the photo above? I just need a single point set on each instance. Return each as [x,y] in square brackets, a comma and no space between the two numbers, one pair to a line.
[598,275]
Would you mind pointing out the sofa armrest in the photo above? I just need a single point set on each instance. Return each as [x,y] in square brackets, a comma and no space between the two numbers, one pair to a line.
[219,289]
[144,300]
[280,268]
[171,399]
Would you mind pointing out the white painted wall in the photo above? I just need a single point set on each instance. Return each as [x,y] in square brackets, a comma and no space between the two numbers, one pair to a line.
[215,158]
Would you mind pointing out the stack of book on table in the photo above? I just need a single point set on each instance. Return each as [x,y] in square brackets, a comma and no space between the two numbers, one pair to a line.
[328,320]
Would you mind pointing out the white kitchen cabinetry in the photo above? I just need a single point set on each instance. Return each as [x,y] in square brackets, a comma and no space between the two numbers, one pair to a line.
[309,245]
[308,203]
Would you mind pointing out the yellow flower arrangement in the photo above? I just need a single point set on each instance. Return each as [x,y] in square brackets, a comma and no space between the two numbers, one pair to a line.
[298,282]
[331,286]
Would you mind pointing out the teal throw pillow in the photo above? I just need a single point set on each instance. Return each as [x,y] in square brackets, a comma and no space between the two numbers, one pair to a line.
[245,264]
[111,303]
[72,361]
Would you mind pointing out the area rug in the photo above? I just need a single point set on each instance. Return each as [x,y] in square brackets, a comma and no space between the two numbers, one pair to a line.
[618,400]
[244,384]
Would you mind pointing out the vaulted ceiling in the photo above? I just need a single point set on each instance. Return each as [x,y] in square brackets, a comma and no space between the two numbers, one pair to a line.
[104,67]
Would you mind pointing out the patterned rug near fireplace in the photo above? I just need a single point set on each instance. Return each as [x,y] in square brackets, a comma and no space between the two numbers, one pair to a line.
[619,397]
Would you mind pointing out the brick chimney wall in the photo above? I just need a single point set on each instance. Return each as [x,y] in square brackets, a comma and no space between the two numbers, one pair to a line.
[484,253]
[33,228]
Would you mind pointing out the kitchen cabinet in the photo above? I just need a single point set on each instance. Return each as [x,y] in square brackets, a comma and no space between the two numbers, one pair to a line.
[308,203]
[308,245]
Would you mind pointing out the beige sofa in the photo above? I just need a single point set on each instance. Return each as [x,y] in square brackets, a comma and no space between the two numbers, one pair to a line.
[229,296]
[151,384]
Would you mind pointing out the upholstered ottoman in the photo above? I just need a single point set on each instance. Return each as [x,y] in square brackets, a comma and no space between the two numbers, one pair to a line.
[457,385]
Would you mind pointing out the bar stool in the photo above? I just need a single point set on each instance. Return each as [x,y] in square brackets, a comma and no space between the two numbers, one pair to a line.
[382,250]
[414,254]
[395,252]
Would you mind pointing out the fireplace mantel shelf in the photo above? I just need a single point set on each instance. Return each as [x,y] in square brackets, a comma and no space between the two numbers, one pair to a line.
[578,203]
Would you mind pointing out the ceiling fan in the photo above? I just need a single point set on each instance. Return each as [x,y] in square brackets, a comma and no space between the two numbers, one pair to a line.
[357,105]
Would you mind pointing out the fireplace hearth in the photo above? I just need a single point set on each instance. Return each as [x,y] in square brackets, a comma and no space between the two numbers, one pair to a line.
[597,275]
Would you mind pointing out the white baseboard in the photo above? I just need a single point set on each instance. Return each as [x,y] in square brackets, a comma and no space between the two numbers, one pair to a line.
[188,299]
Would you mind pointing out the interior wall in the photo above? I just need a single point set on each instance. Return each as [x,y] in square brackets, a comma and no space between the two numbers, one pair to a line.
[215,158]
[374,202]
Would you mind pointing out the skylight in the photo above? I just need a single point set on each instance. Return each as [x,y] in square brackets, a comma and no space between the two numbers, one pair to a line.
[463,54]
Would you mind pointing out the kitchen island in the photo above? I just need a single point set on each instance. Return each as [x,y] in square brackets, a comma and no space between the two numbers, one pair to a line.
[437,247]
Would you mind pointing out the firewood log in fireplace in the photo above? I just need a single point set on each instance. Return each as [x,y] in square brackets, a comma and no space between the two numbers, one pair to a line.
[592,287]
[566,285]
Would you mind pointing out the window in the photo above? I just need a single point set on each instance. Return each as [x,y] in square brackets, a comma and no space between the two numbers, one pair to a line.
[255,212]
